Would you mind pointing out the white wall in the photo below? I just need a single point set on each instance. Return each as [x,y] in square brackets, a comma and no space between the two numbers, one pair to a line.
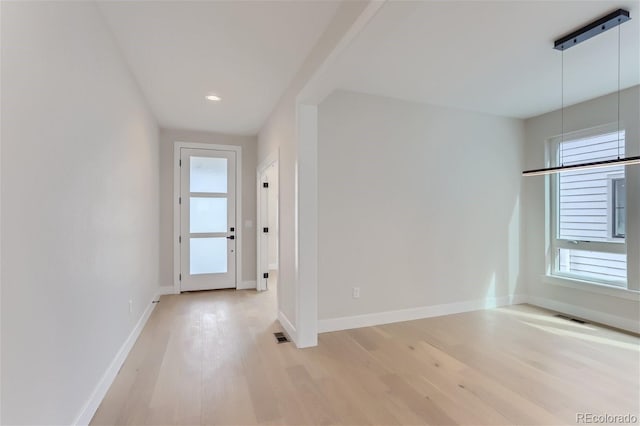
[249,151]
[612,308]
[79,208]
[418,205]
[279,132]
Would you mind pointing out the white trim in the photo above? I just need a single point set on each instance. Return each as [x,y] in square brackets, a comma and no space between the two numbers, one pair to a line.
[306,229]
[273,266]
[1,239]
[387,317]
[288,327]
[246,285]
[166,289]
[176,218]
[91,406]
[176,207]
[587,314]
[586,132]
[592,287]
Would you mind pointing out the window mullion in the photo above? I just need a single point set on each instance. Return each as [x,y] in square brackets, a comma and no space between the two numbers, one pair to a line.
[617,248]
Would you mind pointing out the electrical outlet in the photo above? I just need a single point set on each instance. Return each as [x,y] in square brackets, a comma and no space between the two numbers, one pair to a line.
[356,292]
[130,306]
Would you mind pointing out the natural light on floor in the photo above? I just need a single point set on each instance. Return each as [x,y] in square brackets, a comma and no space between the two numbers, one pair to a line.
[587,337]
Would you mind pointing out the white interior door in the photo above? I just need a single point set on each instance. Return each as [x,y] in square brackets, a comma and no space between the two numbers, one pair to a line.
[267,241]
[263,232]
[207,219]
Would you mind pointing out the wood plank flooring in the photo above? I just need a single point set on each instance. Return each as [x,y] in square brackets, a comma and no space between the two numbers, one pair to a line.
[211,358]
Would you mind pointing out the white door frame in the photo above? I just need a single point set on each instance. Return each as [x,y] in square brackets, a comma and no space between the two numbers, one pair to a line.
[318,86]
[306,225]
[272,158]
[176,206]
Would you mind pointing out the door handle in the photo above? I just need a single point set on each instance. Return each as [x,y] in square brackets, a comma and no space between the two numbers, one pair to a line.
[231,237]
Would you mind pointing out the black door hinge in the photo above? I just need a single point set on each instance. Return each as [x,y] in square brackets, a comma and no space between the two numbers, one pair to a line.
[179,200]
[180,163]
[265,275]
[180,277]
[180,239]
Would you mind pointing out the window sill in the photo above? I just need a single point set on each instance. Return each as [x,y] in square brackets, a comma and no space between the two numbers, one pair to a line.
[592,287]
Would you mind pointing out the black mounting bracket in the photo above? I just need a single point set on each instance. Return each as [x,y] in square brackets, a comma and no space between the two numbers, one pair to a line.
[596,27]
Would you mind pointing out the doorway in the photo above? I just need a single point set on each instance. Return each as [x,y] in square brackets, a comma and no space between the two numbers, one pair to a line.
[208,233]
[268,224]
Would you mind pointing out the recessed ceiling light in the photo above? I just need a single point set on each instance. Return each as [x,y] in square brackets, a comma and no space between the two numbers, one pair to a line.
[213,97]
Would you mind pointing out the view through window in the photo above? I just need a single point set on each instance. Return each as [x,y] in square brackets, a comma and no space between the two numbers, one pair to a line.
[589,210]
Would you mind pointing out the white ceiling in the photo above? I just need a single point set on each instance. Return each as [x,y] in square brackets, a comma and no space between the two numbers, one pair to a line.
[244,51]
[493,57]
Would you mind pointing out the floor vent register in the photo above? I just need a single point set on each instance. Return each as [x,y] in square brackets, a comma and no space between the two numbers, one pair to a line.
[570,319]
[280,337]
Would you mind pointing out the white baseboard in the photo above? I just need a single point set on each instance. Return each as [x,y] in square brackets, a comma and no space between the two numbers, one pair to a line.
[246,285]
[166,289]
[387,317]
[288,327]
[587,314]
[90,407]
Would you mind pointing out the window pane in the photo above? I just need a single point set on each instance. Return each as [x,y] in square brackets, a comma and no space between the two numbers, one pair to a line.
[208,175]
[592,265]
[208,255]
[585,196]
[207,214]
[592,148]
[619,205]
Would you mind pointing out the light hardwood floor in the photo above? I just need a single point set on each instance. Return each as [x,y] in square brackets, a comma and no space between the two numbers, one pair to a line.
[211,358]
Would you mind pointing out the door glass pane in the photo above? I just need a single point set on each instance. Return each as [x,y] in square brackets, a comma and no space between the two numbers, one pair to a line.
[208,255]
[207,214]
[208,175]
